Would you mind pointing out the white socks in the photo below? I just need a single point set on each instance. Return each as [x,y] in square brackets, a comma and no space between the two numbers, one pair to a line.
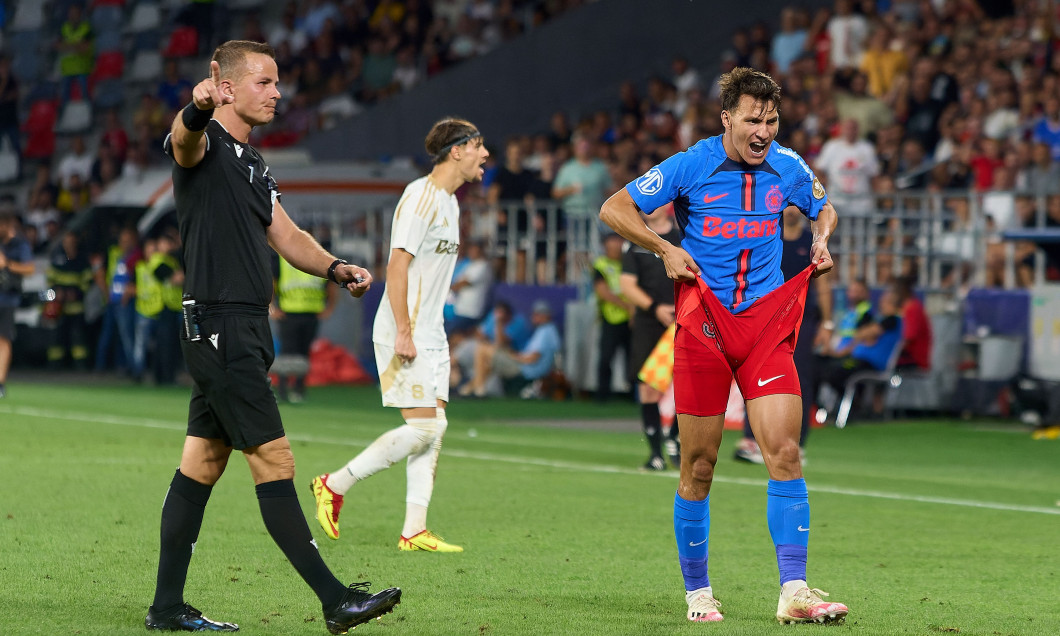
[388,449]
[419,439]
[420,475]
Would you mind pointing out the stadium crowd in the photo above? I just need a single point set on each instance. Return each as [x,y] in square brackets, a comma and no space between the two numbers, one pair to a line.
[949,96]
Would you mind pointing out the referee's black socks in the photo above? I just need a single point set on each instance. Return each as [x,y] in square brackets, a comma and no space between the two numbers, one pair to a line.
[652,422]
[182,513]
[286,523]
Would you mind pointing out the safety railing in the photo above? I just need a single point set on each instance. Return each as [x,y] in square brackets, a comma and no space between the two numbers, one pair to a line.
[945,240]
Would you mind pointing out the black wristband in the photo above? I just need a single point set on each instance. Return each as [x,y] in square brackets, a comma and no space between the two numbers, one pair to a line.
[194,119]
[653,308]
[331,270]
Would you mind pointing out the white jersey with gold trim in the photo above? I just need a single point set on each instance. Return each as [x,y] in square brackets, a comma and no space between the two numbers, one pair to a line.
[426,225]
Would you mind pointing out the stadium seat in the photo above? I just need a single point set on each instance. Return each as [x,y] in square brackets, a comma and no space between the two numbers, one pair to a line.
[109,65]
[107,41]
[870,379]
[107,17]
[932,389]
[76,118]
[146,67]
[109,93]
[8,162]
[183,42]
[40,129]
[106,3]
[29,16]
[145,17]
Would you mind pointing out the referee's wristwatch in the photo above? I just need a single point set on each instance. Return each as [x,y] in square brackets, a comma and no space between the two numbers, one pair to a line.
[331,271]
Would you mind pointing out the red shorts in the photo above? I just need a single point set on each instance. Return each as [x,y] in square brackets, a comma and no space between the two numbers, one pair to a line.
[712,346]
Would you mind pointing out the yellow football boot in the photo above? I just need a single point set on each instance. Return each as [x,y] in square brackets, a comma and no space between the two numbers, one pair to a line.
[428,542]
[328,506]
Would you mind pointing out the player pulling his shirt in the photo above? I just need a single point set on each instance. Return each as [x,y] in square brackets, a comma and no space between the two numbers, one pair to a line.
[737,318]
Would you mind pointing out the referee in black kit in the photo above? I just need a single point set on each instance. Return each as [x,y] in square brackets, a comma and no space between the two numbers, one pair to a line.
[229,213]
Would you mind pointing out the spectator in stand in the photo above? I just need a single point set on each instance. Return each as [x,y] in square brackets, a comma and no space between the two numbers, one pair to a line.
[378,73]
[172,84]
[407,72]
[70,275]
[874,342]
[150,119]
[77,162]
[514,184]
[985,162]
[883,61]
[528,364]
[472,283]
[914,166]
[582,183]
[42,211]
[848,32]
[1042,175]
[74,196]
[849,165]
[1002,120]
[9,120]
[687,81]
[317,14]
[853,101]
[1047,129]
[76,55]
[615,310]
[502,328]
[916,328]
[288,31]
[338,104]
[114,135]
[790,42]
[105,169]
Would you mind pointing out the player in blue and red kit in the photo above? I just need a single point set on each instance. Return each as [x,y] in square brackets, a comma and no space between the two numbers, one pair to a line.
[737,318]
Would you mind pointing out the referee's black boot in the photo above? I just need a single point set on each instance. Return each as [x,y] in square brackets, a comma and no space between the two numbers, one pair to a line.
[184,618]
[358,606]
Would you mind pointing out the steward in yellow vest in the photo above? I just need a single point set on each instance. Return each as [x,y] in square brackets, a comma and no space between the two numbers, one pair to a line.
[303,300]
[615,310]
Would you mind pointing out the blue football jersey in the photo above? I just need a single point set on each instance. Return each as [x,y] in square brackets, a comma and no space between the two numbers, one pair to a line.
[729,213]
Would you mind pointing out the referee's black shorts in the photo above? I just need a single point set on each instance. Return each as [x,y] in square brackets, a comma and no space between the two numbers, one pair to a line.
[645,335]
[232,399]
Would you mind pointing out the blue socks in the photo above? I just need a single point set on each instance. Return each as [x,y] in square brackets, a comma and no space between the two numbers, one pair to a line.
[692,528]
[788,515]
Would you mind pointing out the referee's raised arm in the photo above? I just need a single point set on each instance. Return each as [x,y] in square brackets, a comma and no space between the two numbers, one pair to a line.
[188,140]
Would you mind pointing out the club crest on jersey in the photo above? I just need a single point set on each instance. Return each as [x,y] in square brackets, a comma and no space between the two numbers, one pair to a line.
[774,200]
[650,182]
[445,247]
[818,189]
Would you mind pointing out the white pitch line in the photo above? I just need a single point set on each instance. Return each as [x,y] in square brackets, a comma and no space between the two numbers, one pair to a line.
[534,461]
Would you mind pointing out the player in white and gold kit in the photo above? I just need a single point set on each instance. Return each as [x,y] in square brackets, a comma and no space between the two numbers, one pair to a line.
[411,350]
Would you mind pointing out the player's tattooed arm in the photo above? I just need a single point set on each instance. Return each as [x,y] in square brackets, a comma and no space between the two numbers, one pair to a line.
[622,214]
[822,229]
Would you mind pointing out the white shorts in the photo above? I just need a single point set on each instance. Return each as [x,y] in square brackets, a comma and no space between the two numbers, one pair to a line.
[420,384]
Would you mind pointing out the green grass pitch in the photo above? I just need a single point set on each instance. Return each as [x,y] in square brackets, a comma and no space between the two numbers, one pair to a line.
[921,527]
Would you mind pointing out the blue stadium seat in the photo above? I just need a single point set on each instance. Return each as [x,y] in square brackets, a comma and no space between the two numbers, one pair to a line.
[107,18]
[110,93]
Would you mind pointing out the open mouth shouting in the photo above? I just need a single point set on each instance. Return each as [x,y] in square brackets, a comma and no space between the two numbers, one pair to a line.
[758,149]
